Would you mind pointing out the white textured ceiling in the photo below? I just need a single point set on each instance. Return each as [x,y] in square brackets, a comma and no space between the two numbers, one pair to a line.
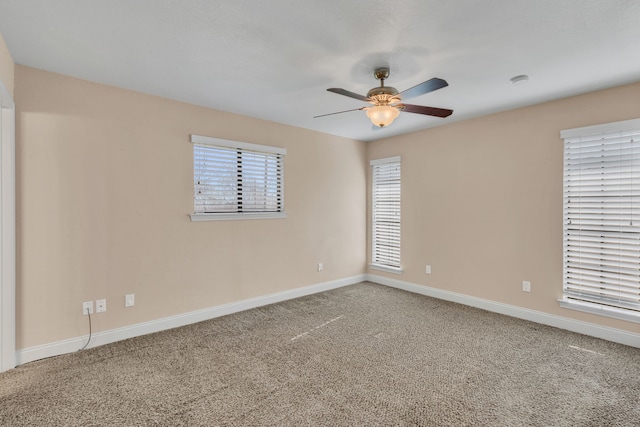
[275,59]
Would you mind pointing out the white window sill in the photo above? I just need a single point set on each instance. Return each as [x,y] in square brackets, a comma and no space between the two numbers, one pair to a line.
[196,217]
[385,268]
[616,313]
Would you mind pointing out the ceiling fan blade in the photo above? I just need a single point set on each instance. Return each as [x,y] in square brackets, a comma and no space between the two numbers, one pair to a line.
[347,93]
[429,111]
[424,87]
[339,112]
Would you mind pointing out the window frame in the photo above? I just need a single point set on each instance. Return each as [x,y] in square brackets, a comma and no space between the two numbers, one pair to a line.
[589,302]
[376,262]
[244,147]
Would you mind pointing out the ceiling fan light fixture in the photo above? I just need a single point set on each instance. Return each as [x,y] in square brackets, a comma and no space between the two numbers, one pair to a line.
[382,115]
[386,100]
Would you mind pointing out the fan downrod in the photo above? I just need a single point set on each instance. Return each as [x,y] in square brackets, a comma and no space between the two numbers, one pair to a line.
[381,74]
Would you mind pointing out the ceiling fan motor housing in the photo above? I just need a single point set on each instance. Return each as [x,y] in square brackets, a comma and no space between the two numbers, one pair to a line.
[383,95]
[383,90]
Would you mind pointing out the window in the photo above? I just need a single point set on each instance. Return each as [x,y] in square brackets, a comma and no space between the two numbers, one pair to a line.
[385,215]
[602,219]
[236,180]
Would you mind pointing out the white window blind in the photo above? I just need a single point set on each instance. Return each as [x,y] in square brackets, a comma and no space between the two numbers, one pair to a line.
[232,177]
[602,217]
[385,250]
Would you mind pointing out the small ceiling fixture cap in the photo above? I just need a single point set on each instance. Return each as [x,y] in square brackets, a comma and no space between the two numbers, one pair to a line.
[521,79]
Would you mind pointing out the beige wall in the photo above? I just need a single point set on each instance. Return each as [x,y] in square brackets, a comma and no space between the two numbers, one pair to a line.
[104,181]
[482,200]
[6,67]
[105,186]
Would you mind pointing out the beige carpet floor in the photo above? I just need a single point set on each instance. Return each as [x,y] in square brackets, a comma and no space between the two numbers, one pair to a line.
[363,355]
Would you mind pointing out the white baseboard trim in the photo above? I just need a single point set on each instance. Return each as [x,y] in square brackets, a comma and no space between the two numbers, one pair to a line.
[106,337]
[585,328]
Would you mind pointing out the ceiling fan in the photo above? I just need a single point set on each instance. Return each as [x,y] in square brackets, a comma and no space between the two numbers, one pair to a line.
[386,100]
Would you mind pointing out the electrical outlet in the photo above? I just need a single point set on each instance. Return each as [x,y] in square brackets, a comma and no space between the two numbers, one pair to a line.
[129,300]
[87,307]
[526,286]
[320,267]
[101,305]
[427,269]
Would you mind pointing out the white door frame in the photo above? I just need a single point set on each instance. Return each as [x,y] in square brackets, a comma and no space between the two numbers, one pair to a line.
[7,231]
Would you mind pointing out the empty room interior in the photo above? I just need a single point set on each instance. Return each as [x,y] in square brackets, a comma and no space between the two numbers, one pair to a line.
[320,213]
